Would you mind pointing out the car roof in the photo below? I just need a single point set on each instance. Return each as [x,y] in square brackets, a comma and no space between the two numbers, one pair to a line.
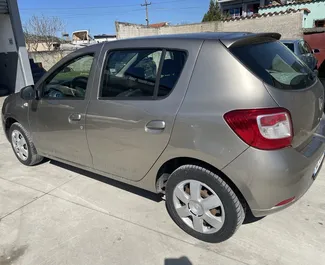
[227,38]
[199,36]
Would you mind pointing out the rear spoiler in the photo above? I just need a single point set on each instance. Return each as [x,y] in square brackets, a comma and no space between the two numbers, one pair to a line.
[249,38]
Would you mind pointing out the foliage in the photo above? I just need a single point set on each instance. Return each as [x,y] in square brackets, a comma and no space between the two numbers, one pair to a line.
[42,30]
[214,13]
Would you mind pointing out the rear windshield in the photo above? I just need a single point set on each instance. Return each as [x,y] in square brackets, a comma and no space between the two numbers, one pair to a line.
[291,46]
[271,61]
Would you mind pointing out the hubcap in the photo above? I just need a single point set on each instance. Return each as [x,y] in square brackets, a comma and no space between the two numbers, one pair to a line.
[20,145]
[199,206]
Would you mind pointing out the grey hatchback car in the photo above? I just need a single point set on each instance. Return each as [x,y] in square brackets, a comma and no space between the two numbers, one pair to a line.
[223,124]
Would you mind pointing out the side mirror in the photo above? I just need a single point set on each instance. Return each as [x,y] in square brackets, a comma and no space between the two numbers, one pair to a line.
[316,72]
[66,69]
[316,51]
[28,93]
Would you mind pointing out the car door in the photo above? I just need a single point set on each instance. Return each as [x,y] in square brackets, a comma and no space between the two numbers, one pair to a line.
[306,55]
[130,121]
[303,53]
[57,118]
[313,59]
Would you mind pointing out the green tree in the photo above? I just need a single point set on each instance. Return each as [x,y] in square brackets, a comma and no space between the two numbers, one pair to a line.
[214,13]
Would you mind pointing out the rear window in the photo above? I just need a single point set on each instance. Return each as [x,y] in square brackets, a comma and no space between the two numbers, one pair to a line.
[291,46]
[274,64]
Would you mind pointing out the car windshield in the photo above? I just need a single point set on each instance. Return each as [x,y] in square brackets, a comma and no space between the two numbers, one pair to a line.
[274,64]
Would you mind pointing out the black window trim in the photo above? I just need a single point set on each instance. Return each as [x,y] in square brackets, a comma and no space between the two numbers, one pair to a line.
[41,87]
[157,81]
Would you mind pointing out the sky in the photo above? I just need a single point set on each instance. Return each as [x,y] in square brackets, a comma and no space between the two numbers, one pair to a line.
[98,16]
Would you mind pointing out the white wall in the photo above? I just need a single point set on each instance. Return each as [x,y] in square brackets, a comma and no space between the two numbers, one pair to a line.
[7,39]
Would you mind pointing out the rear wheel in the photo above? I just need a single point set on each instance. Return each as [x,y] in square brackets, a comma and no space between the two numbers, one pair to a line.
[202,204]
[23,146]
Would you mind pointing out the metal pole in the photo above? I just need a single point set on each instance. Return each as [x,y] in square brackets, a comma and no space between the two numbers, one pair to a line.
[146,4]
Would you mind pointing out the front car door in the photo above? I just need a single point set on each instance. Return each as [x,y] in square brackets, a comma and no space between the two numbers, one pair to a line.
[313,59]
[306,55]
[130,120]
[57,118]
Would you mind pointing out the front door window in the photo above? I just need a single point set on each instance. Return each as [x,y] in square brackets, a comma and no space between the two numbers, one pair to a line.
[70,80]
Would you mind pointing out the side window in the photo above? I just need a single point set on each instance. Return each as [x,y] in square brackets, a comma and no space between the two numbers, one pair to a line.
[130,74]
[301,48]
[305,47]
[308,48]
[69,81]
[173,65]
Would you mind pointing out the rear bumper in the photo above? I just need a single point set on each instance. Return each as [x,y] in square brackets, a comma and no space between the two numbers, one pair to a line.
[267,178]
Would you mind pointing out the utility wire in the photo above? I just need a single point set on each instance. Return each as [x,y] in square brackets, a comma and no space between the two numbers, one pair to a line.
[114,13]
[96,7]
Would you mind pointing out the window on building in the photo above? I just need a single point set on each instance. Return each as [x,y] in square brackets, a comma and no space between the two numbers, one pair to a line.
[252,9]
[320,23]
[233,12]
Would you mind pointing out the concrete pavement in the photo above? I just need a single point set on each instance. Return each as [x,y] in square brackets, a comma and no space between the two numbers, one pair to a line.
[57,214]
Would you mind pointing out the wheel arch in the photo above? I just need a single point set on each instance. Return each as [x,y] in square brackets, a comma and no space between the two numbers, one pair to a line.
[8,122]
[172,164]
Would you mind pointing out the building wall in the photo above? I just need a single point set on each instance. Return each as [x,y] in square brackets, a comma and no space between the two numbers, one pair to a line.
[15,71]
[317,11]
[7,39]
[288,25]
[48,59]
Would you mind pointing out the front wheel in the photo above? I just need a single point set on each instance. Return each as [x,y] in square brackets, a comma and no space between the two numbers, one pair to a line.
[23,146]
[203,204]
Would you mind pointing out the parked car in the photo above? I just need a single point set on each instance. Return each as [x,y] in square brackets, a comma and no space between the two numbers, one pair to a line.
[222,123]
[302,49]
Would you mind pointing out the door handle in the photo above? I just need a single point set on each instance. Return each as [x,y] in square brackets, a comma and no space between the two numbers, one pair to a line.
[74,117]
[155,126]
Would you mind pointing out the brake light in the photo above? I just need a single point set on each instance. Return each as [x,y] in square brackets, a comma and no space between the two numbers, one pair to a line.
[266,129]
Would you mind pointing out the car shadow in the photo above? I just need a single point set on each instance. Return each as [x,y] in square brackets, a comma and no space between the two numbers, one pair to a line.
[180,261]
[120,185]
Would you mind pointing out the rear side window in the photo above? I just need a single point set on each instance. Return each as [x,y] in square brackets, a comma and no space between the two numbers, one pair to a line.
[291,46]
[274,64]
[141,74]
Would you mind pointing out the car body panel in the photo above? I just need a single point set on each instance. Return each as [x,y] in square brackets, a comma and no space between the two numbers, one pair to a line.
[267,178]
[121,123]
[306,108]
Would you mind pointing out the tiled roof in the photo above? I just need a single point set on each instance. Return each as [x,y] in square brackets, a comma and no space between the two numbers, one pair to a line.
[288,11]
[158,25]
[290,4]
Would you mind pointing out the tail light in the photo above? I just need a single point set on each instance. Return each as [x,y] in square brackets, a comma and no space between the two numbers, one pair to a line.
[266,129]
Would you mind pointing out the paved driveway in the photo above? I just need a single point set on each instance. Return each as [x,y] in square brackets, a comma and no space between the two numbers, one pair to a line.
[55,214]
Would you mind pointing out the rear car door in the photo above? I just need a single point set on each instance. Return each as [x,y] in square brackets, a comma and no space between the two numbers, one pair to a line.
[130,120]
[57,118]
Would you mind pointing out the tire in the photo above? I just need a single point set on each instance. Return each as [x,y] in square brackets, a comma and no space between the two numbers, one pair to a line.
[229,215]
[31,157]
